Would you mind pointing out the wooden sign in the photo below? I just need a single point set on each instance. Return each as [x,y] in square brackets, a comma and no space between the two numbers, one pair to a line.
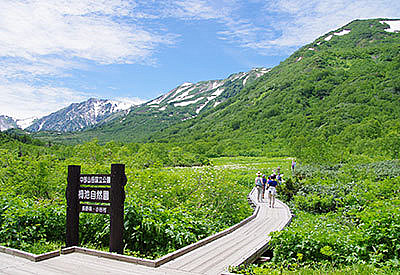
[86,191]
[94,194]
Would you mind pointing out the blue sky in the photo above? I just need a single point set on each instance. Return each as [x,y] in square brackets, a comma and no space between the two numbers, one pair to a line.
[56,52]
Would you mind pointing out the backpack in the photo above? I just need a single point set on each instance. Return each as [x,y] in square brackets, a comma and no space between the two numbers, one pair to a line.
[259,182]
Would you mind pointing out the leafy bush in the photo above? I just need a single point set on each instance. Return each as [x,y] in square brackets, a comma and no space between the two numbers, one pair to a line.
[165,209]
[26,223]
[343,222]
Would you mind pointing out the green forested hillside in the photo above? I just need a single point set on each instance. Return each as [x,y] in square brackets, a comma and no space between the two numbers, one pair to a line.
[330,99]
[182,103]
[333,98]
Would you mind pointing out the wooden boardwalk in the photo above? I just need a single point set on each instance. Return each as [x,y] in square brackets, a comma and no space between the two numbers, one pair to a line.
[242,245]
[77,264]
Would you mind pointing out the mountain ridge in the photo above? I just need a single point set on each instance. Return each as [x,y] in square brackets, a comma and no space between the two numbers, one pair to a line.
[316,99]
[184,102]
[337,95]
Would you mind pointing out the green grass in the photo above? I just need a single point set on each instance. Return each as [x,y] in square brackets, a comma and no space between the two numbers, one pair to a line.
[358,269]
[263,164]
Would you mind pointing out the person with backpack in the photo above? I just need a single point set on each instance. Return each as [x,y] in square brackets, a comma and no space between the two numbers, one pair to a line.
[272,190]
[264,181]
[280,178]
[293,166]
[259,186]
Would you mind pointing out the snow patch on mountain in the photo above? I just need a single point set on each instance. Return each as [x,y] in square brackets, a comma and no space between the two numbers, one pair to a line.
[25,123]
[42,123]
[186,103]
[184,96]
[178,90]
[217,84]
[159,99]
[217,103]
[245,80]
[261,72]
[343,32]
[201,107]
[237,76]
[124,104]
[78,116]
[394,25]
[218,92]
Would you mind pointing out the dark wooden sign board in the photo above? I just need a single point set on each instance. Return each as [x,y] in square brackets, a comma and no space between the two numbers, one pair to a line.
[85,189]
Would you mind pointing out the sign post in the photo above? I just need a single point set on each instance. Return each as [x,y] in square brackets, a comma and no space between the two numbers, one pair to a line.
[100,194]
[72,232]
[118,181]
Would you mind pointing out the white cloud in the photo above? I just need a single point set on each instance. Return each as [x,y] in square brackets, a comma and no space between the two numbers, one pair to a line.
[42,41]
[185,9]
[111,31]
[199,9]
[131,100]
[281,26]
[302,21]
[21,100]
[68,30]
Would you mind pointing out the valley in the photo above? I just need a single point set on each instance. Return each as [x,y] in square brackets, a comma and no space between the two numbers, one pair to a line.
[192,154]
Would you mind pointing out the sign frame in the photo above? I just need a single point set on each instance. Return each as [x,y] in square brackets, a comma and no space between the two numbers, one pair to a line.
[114,184]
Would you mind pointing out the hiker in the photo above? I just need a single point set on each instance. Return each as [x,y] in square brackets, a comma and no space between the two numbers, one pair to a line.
[259,186]
[267,184]
[280,178]
[264,185]
[272,190]
[293,166]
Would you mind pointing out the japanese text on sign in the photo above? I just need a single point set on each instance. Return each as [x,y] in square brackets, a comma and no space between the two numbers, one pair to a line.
[94,209]
[93,179]
[94,194]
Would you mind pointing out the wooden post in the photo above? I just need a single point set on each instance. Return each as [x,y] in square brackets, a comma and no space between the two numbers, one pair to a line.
[72,227]
[117,196]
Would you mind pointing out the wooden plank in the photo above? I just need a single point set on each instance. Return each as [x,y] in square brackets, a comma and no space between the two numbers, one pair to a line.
[18,253]
[217,249]
[242,245]
[203,255]
[80,263]
[205,241]
[7,260]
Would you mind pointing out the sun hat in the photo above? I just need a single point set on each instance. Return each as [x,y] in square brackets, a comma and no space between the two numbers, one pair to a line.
[258,173]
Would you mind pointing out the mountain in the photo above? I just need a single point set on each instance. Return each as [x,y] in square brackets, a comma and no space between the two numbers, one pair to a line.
[7,123]
[205,95]
[25,123]
[333,97]
[78,116]
[185,102]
